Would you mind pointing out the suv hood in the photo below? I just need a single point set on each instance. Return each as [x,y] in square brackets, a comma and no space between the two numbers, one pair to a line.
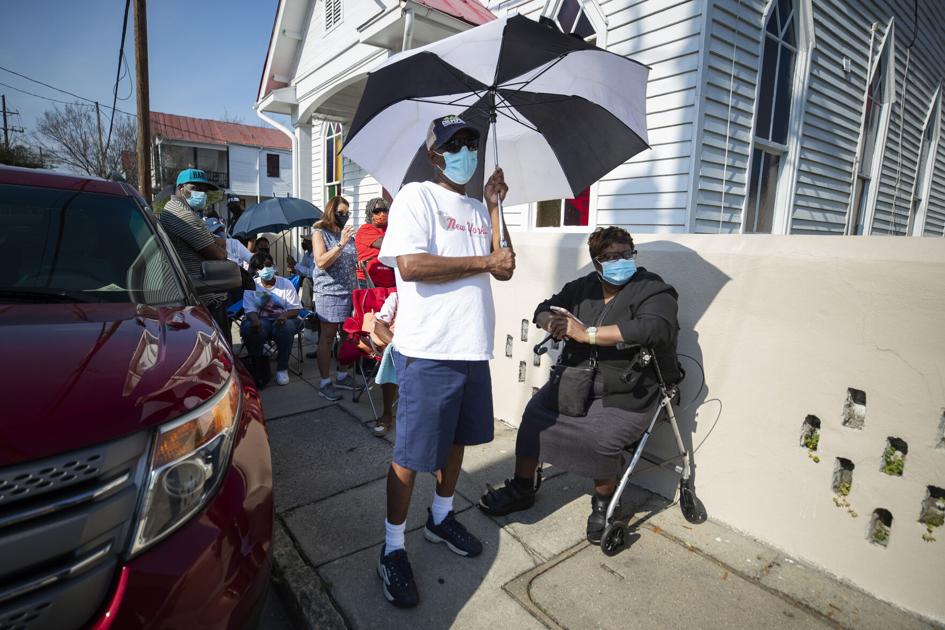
[82,374]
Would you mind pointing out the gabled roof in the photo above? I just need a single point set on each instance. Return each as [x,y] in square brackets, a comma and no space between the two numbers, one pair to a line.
[290,14]
[202,130]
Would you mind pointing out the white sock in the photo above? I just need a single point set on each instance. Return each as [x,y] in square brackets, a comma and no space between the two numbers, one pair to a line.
[340,376]
[441,507]
[323,382]
[393,536]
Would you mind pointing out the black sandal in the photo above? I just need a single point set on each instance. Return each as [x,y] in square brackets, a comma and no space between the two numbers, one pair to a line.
[507,499]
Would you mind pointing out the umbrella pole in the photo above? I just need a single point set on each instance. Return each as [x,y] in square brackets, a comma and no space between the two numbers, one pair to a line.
[495,148]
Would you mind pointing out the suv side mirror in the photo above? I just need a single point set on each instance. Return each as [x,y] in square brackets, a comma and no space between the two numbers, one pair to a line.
[218,276]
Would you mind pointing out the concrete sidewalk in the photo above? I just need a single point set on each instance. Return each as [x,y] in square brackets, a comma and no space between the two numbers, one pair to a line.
[536,570]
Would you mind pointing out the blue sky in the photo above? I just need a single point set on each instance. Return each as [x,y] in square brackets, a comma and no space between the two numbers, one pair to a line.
[206,56]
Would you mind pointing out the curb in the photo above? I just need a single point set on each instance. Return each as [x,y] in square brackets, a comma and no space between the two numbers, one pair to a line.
[301,588]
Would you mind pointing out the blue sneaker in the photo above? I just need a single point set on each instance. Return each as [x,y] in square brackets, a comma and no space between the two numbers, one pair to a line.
[452,532]
[399,586]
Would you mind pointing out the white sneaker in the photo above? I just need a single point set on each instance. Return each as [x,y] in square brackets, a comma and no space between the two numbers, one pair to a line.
[282,377]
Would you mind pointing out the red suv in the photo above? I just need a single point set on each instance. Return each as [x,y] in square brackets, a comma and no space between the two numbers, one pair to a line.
[135,474]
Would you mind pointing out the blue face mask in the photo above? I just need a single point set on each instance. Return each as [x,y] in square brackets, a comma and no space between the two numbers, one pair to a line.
[618,272]
[460,166]
[197,199]
[267,273]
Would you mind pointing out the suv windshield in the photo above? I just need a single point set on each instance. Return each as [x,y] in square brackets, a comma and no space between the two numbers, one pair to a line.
[68,246]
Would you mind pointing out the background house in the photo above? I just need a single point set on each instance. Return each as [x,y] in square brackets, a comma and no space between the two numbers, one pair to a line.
[250,162]
[793,118]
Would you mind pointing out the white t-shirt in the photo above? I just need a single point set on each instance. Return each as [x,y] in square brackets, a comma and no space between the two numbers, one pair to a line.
[388,311]
[238,253]
[270,302]
[441,320]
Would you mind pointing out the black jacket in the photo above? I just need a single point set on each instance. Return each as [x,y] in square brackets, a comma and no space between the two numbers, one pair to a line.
[645,311]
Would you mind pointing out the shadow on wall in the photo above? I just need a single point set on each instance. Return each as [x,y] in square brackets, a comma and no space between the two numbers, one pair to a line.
[698,283]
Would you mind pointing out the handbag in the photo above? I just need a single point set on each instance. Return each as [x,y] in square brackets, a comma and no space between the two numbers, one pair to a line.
[571,388]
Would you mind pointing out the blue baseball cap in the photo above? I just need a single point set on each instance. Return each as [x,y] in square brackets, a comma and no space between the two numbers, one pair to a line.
[194,176]
[442,129]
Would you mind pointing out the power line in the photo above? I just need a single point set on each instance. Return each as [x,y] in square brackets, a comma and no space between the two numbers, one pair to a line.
[121,56]
[48,98]
[91,103]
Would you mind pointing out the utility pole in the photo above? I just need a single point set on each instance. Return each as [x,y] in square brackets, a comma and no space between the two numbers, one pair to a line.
[6,133]
[6,126]
[144,106]
[101,149]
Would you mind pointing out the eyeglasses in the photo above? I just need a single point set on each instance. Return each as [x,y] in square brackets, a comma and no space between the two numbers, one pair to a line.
[626,255]
[453,145]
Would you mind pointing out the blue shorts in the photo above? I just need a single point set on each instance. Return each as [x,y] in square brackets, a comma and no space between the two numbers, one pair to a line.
[442,403]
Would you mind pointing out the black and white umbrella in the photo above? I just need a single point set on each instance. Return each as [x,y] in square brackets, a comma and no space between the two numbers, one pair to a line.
[560,112]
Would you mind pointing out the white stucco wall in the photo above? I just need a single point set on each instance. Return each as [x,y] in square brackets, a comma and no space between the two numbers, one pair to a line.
[784,325]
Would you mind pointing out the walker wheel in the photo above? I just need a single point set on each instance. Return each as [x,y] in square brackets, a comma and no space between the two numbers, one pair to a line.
[612,541]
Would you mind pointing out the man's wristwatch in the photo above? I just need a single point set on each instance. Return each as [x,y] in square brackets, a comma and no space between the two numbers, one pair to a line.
[592,335]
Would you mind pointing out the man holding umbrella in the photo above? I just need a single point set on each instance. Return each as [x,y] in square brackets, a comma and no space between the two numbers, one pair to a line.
[443,246]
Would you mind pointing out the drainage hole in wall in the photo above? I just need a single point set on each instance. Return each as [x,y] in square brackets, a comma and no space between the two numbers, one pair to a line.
[536,360]
[810,437]
[843,476]
[854,409]
[933,512]
[525,327]
[880,527]
[521,371]
[508,345]
[894,457]
[940,442]
[810,433]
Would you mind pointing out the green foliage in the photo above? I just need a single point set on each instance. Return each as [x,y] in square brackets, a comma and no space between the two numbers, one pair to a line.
[811,440]
[880,534]
[935,519]
[893,461]
[844,488]
[19,155]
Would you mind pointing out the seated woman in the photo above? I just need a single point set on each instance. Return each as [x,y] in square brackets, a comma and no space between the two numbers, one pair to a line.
[272,312]
[384,324]
[609,313]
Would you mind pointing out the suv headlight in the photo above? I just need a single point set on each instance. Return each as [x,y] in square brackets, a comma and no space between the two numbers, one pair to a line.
[188,460]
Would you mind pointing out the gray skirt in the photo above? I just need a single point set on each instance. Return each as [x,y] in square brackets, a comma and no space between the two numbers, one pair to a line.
[333,309]
[591,446]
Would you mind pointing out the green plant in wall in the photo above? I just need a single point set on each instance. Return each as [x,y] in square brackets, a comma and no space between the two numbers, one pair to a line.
[894,461]
[933,520]
[880,534]
[811,441]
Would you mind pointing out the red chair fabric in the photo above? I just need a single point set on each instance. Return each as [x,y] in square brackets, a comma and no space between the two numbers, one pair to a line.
[363,301]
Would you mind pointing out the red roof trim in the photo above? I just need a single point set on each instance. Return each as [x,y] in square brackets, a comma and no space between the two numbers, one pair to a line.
[469,11]
[185,128]
[260,95]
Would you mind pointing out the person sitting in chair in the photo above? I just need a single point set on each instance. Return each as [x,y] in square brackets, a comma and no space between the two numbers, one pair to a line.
[603,317]
[272,312]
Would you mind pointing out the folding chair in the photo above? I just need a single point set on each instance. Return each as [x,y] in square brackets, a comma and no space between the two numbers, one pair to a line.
[364,301]
[304,314]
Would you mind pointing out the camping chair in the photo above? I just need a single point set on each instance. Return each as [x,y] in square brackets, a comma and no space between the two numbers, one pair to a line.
[615,532]
[304,314]
[364,301]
